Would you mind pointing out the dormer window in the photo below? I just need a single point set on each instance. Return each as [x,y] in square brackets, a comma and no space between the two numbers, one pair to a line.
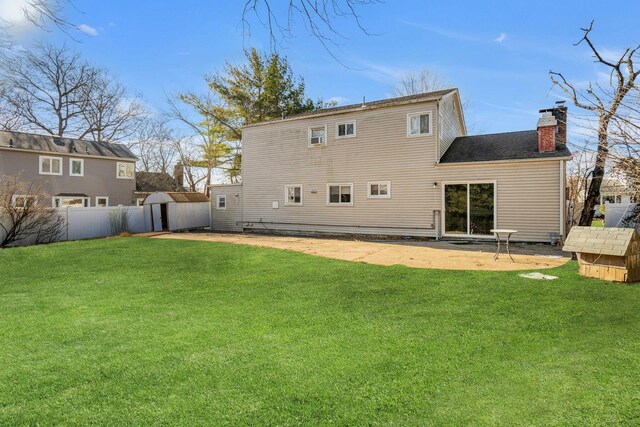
[317,136]
[419,124]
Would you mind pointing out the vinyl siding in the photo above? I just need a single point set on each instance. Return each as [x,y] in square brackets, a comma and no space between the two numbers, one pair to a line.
[227,219]
[99,176]
[277,154]
[450,127]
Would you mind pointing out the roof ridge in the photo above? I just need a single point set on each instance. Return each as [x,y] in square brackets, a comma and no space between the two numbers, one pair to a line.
[63,137]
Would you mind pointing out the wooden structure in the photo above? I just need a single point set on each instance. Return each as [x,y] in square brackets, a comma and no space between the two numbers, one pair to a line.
[606,253]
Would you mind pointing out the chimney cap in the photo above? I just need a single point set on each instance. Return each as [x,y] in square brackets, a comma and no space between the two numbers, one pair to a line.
[547,119]
[560,102]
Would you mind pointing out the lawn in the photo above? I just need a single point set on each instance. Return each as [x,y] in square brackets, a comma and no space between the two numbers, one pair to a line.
[136,331]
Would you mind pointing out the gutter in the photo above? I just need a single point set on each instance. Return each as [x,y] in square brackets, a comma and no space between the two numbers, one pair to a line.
[489,162]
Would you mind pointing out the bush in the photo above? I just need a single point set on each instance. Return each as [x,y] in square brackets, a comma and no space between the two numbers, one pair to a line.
[119,221]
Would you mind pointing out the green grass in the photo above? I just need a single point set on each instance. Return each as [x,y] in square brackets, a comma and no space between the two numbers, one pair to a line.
[135,331]
[597,223]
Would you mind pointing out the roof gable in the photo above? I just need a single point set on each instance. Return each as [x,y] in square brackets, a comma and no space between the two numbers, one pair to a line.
[604,241]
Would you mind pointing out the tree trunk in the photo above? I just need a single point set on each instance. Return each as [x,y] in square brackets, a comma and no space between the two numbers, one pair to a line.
[593,194]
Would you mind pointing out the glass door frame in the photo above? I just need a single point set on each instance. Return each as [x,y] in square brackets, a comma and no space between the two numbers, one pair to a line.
[467,183]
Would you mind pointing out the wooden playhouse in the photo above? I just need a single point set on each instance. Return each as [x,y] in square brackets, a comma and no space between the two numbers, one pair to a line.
[606,253]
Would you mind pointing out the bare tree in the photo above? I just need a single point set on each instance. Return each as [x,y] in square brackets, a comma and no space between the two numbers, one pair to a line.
[24,218]
[110,113]
[578,173]
[604,103]
[154,143]
[320,18]
[53,91]
[417,82]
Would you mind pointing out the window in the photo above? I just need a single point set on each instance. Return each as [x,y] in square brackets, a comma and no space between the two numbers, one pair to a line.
[221,201]
[317,136]
[102,202]
[340,194]
[469,209]
[76,167]
[346,130]
[419,124]
[125,170]
[379,190]
[23,201]
[293,195]
[50,165]
[70,202]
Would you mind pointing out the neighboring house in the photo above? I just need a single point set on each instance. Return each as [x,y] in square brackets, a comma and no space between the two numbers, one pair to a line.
[615,190]
[152,182]
[74,173]
[402,166]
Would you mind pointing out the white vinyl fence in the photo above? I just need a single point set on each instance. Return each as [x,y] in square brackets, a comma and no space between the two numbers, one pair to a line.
[615,213]
[90,223]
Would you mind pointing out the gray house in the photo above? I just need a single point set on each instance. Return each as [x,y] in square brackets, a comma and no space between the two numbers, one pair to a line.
[74,173]
[402,166]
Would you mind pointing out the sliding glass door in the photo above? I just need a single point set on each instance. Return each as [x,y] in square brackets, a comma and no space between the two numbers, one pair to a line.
[469,209]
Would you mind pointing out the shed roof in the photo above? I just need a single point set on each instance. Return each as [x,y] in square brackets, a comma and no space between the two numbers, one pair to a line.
[521,145]
[55,144]
[184,197]
[596,240]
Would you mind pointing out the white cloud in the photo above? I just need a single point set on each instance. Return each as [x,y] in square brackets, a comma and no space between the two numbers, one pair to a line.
[502,37]
[87,29]
[339,100]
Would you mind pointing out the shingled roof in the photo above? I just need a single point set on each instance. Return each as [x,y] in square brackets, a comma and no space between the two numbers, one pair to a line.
[427,96]
[150,182]
[597,240]
[54,144]
[499,146]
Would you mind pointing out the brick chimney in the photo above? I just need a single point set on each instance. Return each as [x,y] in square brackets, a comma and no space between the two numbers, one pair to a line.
[178,174]
[560,114]
[547,125]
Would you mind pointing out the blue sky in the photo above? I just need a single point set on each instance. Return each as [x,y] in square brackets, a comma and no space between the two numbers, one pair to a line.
[497,53]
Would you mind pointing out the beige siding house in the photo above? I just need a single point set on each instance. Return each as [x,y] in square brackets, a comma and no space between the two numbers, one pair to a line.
[402,166]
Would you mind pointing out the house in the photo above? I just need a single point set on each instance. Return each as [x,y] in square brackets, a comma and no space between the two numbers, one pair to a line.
[74,173]
[615,190]
[152,182]
[403,166]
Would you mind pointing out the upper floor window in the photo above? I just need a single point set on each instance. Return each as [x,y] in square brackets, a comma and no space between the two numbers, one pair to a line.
[76,167]
[50,165]
[221,201]
[379,190]
[125,170]
[340,194]
[293,195]
[346,129]
[317,135]
[419,124]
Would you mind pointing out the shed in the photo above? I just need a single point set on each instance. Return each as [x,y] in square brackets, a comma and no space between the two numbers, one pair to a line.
[174,211]
[606,253]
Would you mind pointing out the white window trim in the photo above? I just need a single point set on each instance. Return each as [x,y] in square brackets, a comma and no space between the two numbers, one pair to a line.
[333,184]
[86,200]
[326,135]
[25,196]
[348,122]
[71,160]
[286,195]
[419,113]
[495,209]
[102,197]
[373,196]
[41,158]
[125,177]
[218,198]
